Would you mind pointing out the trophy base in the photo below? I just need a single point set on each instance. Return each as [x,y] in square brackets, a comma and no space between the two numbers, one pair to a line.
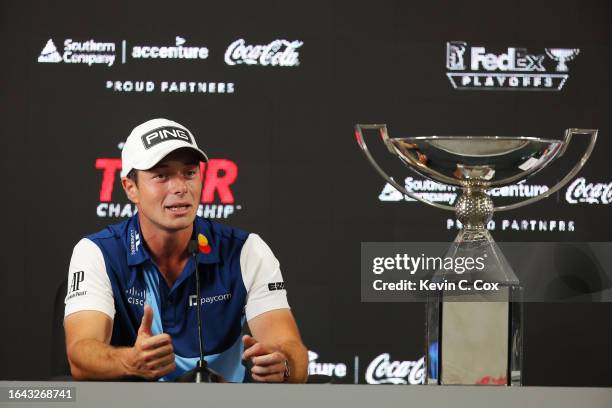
[474,338]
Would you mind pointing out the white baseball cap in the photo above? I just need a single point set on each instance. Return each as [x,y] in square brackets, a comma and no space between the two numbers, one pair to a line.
[153,140]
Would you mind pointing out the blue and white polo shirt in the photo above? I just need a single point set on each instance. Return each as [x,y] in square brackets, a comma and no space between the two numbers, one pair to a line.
[111,272]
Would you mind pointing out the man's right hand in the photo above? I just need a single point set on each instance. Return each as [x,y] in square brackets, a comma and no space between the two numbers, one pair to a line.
[151,357]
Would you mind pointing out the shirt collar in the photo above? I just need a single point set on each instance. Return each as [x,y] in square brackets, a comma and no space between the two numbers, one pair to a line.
[208,252]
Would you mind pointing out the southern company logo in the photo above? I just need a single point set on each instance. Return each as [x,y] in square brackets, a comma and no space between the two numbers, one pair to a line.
[74,52]
[49,53]
[515,69]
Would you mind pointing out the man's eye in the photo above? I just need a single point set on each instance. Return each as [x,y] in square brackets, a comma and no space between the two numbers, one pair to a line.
[160,176]
[191,173]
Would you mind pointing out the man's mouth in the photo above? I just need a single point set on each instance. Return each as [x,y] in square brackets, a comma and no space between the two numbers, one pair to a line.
[179,208]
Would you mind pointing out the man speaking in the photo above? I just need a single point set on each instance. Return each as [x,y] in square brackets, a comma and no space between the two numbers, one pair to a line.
[131,305]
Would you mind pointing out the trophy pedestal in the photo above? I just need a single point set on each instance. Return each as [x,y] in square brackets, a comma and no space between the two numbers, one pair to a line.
[474,342]
[473,335]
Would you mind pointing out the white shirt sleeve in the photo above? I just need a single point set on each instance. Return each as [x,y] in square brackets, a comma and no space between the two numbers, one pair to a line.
[89,287]
[262,278]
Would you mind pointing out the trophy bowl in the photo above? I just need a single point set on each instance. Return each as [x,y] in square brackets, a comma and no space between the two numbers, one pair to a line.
[495,160]
[475,338]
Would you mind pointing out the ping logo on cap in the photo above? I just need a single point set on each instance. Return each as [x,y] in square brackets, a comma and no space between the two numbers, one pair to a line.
[203,244]
[164,134]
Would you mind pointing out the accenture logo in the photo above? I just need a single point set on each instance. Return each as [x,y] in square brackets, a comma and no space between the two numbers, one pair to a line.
[88,52]
[177,51]
[475,68]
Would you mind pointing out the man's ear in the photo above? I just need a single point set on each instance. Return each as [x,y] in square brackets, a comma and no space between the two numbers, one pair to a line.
[130,188]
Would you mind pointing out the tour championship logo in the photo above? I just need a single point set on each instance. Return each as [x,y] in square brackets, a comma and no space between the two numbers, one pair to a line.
[90,52]
[478,68]
[218,201]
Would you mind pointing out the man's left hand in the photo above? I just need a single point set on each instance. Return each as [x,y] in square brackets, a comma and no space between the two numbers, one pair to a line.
[269,363]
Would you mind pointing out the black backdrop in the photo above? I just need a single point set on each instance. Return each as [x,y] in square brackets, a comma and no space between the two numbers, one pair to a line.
[301,183]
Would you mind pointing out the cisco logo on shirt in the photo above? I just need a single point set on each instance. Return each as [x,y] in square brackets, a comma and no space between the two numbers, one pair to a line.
[136,297]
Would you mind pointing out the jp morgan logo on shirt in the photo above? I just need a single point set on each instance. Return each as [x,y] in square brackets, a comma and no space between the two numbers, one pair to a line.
[164,134]
[514,69]
[135,296]
[193,299]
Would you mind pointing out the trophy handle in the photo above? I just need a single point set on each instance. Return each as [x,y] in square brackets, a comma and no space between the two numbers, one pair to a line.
[566,140]
[384,136]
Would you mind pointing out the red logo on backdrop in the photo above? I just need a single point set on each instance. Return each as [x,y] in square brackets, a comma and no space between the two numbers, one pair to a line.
[218,176]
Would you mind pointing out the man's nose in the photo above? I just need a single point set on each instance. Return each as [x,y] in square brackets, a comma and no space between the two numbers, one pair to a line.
[178,185]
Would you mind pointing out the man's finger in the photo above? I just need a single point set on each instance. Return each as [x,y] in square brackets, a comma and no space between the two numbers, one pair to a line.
[159,352]
[268,359]
[156,341]
[161,362]
[248,341]
[147,320]
[167,369]
[271,369]
[255,350]
[269,378]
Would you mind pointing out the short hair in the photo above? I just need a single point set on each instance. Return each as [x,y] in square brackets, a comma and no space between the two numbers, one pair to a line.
[133,175]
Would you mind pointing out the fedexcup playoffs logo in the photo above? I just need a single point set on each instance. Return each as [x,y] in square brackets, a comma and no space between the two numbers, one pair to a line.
[514,68]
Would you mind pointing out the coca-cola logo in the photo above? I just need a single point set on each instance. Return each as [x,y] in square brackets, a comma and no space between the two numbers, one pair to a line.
[384,371]
[281,53]
[592,193]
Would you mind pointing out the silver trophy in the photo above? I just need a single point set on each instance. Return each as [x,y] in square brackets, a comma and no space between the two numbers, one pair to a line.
[475,338]
[561,55]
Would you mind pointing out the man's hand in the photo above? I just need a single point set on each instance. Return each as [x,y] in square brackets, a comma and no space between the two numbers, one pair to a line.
[269,364]
[151,357]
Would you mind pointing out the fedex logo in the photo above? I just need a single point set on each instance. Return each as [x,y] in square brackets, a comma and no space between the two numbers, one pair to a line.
[218,176]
